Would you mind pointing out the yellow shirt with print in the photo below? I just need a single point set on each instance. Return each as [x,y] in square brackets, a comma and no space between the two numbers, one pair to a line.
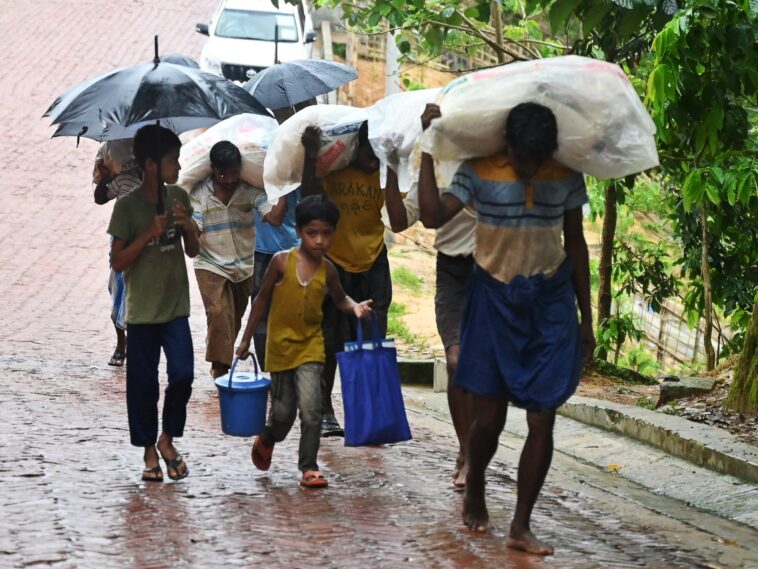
[359,238]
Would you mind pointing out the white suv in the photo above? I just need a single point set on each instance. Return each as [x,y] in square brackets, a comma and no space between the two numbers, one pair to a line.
[246,36]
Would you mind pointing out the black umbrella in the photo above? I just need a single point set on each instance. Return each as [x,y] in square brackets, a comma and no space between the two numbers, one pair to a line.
[291,82]
[102,130]
[150,92]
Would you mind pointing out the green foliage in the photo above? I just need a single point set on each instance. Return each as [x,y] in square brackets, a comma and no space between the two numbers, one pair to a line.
[396,327]
[614,331]
[702,95]
[640,360]
[407,279]
[412,85]
[428,29]
[641,267]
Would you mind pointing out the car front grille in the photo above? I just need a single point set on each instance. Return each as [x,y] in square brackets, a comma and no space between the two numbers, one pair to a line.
[238,72]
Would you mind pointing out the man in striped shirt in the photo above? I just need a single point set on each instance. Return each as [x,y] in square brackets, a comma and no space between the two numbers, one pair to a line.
[521,339]
[223,210]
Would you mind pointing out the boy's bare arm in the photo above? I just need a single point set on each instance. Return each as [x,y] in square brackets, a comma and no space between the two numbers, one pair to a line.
[576,249]
[273,275]
[394,202]
[341,300]
[311,141]
[124,256]
[435,210]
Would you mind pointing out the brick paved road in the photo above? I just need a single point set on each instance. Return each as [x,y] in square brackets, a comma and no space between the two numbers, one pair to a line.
[69,488]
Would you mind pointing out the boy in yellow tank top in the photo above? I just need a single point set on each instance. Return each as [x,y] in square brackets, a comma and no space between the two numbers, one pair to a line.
[295,285]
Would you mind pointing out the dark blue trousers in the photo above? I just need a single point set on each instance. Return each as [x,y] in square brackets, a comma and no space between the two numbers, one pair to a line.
[144,343]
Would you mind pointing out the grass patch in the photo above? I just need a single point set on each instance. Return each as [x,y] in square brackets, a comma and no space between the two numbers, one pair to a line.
[621,374]
[407,279]
[645,403]
[396,328]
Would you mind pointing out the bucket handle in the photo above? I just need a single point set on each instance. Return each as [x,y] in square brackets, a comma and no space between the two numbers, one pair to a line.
[256,365]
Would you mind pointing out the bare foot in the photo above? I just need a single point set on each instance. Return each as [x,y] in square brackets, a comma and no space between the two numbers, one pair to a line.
[460,479]
[460,472]
[475,514]
[526,541]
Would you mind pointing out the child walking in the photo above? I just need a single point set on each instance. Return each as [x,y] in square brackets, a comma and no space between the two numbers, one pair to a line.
[294,286]
[147,247]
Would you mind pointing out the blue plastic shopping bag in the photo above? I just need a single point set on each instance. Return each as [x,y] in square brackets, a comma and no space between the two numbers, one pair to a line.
[371,395]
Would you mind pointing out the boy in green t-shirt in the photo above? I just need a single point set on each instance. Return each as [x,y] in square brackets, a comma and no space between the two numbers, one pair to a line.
[148,226]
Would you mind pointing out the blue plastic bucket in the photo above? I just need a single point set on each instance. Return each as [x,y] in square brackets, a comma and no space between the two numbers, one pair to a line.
[243,397]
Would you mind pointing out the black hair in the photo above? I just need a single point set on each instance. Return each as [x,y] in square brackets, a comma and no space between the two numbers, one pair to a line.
[225,156]
[153,142]
[316,208]
[531,132]
[363,134]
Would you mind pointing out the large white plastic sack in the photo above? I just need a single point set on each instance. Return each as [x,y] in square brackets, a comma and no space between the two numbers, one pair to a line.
[113,155]
[339,124]
[250,133]
[603,128]
[394,126]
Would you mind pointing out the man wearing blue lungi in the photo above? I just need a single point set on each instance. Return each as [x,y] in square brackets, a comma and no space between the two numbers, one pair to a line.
[521,339]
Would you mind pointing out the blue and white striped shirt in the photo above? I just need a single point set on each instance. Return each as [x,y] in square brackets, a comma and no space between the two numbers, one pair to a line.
[519,227]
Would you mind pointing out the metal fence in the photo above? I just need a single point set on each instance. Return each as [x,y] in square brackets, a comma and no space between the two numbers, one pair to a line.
[669,334]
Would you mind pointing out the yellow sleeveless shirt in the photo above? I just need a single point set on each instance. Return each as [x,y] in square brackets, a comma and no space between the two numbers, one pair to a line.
[294,322]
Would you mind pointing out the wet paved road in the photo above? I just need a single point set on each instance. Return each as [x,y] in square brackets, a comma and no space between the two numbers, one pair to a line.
[69,489]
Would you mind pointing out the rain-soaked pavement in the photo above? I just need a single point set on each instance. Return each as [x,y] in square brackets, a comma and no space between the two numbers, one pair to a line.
[70,493]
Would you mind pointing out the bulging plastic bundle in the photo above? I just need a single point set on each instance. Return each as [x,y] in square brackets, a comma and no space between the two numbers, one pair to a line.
[115,156]
[339,124]
[394,126]
[250,133]
[603,128]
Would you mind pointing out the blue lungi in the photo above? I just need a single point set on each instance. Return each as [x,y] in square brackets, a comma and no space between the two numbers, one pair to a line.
[521,341]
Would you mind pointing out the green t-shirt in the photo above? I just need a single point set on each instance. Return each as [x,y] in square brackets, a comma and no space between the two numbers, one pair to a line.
[157,289]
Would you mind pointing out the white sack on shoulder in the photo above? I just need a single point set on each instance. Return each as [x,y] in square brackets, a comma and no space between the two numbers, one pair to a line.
[603,128]
[250,133]
[394,126]
[339,124]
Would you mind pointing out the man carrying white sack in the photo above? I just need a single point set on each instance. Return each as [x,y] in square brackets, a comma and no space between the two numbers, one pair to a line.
[454,243]
[358,251]
[522,342]
[223,210]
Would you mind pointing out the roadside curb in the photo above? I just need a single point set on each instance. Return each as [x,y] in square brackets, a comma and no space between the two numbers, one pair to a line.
[667,456]
[706,446]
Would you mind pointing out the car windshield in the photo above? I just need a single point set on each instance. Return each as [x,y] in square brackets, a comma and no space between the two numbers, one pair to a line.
[248,25]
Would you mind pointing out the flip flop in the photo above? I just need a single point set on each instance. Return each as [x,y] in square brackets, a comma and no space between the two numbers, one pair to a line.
[261,454]
[117,359]
[154,474]
[174,464]
[313,479]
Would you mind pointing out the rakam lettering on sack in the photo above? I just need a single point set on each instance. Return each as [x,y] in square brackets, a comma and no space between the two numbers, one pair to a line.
[371,195]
